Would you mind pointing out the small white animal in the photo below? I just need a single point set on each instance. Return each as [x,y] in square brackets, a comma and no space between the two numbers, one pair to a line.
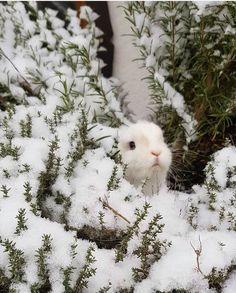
[146,154]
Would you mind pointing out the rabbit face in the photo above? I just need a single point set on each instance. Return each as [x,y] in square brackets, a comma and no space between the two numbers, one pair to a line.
[144,151]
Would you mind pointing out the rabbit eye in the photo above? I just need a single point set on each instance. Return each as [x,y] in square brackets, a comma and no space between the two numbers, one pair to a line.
[132,145]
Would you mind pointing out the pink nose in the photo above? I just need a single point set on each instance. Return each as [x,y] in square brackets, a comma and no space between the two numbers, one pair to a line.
[156,154]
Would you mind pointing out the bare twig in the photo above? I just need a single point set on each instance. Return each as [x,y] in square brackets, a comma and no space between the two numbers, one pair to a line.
[106,205]
[26,84]
[198,254]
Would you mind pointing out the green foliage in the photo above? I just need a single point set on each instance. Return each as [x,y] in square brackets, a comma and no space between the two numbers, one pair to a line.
[173,291]
[6,97]
[217,277]
[67,279]
[4,282]
[8,149]
[211,185]
[131,231]
[192,213]
[80,143]
[105,289]
[41,260]
[26,126]
[75,55]
[25,169]
[86,272]
[101,220]
[27,193]
[126,290]
[167,55]
[48,177]
[65,96]
[190,54]
[82,55]
[16,261]
[231,218]
[21,222]
[5,190]
[150,249]
[67,273]
[114,180]
[6,173]
[65,201]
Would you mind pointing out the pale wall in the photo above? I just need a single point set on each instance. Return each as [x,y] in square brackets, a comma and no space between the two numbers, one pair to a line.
[126,70]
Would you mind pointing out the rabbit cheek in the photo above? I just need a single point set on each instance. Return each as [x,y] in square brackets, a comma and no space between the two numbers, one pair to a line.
[165,160]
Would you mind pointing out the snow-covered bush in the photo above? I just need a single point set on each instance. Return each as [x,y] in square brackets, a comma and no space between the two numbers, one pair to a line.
[215,201]
[188,50]
[69,221]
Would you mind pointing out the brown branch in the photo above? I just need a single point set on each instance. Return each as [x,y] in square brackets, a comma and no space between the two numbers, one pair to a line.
[106,205]
[198,254]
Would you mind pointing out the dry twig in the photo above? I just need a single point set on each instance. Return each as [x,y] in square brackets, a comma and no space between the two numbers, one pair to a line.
[106,205]
[25,84]
[198,254]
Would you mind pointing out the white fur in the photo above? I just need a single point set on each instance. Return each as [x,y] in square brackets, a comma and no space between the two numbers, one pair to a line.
[148,138]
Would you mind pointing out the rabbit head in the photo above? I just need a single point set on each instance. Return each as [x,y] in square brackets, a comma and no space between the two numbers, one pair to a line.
[145,152]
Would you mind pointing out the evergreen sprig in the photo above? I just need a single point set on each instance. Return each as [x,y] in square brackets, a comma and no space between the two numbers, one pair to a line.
[28,193]
[80,142]
[121,251]
[48,177]
[86,272]
[8,149]
[21,222]
[16,261]
[113,182]
[66,96]
[105,288]
[41,259]
[67,279]
[5,190]
[150,249]
[26,126]
[211,185]
[217,277]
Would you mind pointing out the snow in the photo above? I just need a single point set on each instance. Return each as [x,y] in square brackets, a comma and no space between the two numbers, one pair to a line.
[201,5]
[139,20]
[224,161]
[176,100]
[88,14]
[230,284]
[73,202]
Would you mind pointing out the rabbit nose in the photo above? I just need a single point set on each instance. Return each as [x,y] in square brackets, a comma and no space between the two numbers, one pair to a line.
[156,154]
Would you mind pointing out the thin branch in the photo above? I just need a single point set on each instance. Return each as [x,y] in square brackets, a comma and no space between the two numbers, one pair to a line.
[106,205]
[26,83]
[198,254]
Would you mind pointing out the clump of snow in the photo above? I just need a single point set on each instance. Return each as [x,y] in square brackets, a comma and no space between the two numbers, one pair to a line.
[176,100]
[203,5]
[224,163]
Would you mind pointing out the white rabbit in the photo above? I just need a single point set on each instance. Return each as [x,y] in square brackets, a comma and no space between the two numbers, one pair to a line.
[146,154]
